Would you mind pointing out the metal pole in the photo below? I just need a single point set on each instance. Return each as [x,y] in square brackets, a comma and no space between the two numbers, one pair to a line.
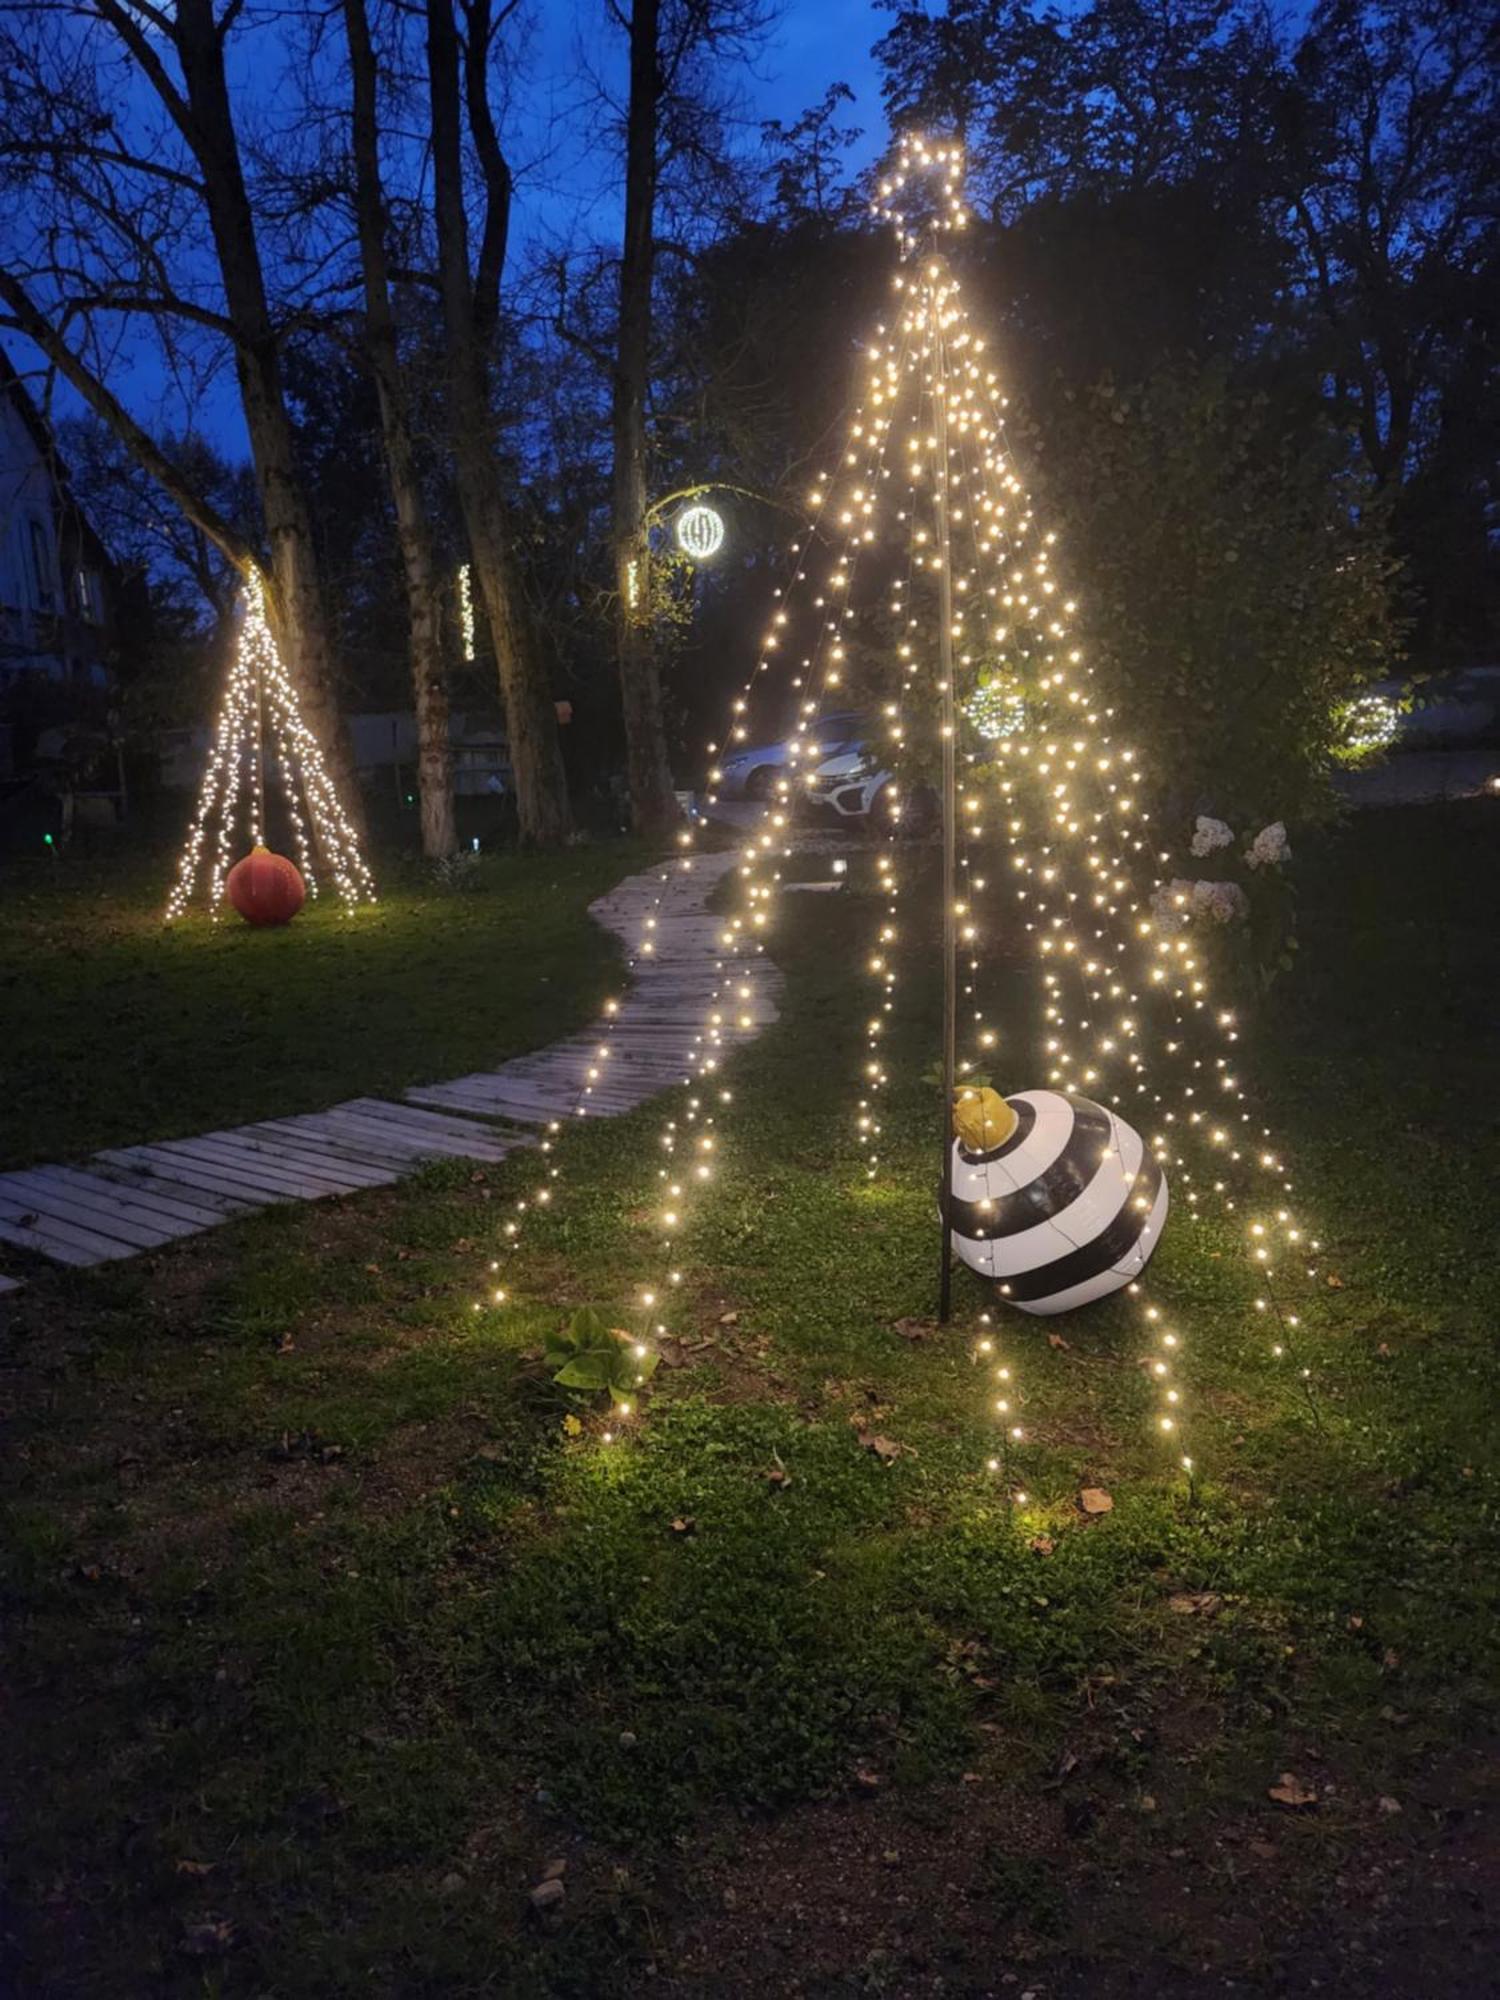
[936,273]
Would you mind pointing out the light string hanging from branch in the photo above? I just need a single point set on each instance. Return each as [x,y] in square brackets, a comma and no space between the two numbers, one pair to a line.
[732,986]
[697,1131]
[258,686]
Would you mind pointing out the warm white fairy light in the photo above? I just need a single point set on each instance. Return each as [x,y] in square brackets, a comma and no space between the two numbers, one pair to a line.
[259,695]
[466,609]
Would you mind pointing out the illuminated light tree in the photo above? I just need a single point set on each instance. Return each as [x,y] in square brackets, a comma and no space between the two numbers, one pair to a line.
[925,525]
[260,707]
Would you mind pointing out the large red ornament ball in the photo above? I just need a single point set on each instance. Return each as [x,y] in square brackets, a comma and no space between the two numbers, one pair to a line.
[265,888]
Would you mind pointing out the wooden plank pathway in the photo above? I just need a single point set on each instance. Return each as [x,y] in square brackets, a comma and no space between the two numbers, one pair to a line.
[133,1198]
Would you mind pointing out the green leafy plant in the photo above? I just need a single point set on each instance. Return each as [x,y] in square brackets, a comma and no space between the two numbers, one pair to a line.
[590,1354]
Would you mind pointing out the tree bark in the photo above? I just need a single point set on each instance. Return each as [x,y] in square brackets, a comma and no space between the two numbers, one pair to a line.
[653,804]
[206,121]
[419,564]
[530,717]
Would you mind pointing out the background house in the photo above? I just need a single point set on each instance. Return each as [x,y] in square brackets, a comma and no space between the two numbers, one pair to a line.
[56,589]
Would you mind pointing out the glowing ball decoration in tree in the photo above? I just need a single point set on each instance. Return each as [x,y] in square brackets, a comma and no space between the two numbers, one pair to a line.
[1055,1198]
[265,888]
[700,532]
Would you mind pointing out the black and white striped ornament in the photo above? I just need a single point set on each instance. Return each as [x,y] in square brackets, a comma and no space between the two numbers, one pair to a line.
[1065,1210]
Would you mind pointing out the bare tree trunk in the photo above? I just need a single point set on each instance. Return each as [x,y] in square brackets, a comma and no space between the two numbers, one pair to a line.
[653,805]
[419,565]
[530,717]
[207,122]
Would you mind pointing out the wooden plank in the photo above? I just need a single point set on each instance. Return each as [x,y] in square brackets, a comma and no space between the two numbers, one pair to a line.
[210,1174]
[504,1101]
[63,1242]
[297,1154]
[463,1095]
[408,1116]
[408,1147]
[161,1186]
[105,1184]
[103,1214]
[342,1145]
[429,1128]
[233,1157]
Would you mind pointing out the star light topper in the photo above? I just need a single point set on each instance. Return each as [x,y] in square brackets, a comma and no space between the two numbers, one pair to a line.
[923,195]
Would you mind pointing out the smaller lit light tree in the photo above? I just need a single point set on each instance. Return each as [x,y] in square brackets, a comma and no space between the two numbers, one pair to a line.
[260,708]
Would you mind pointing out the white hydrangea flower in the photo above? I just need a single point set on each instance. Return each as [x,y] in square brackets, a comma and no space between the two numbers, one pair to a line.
[1269,846]
[1209,834]
[1225,902]
[1172,904]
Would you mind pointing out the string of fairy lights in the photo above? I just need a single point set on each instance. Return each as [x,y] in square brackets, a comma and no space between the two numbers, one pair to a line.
[693,1130]
[259,693]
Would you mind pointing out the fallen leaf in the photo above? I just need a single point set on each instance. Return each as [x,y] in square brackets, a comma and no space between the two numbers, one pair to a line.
[1042,1545]
[1290,1791]
[884,1448]
[869,1779]
[1355,1621]
[1262,1849]
[1389,1805]
[1203,1602]
[916,1329]
[194,1867]
[1056,1340]
[672,1354]
[729,1319]
[683,1524]
[1335,1282]
[1094,1500]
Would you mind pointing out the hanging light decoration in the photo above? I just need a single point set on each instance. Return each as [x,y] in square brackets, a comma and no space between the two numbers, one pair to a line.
[258,698]
[466,609]
[700,531]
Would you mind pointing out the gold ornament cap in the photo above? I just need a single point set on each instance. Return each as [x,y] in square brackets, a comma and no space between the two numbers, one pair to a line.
[981,1118]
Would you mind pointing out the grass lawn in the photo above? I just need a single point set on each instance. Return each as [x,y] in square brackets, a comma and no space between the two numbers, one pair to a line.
[120,1029]
[334,1623]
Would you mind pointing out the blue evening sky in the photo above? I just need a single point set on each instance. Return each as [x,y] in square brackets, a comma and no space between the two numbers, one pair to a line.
[568,185]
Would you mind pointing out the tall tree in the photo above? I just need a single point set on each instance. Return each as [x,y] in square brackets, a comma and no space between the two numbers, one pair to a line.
[117,201]
[652,803]
[382,354]
[671,118]
[458,78]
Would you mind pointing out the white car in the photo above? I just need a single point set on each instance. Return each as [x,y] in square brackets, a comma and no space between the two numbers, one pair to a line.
[853,788]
